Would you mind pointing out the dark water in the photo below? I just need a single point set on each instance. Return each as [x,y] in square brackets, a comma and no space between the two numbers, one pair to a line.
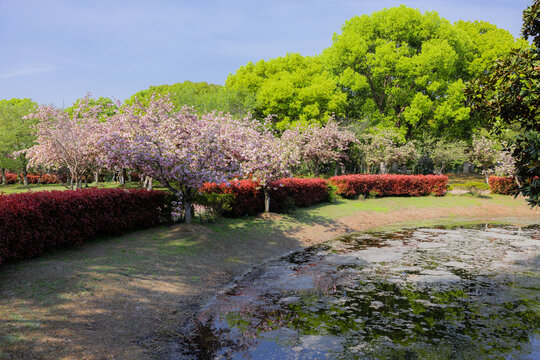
[467,293]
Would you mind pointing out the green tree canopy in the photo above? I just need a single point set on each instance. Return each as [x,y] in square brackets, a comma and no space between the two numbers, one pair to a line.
[293,88]
[203,97]
[399,67]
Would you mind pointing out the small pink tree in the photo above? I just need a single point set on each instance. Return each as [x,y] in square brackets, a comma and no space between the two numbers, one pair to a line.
[65,140]
[182,150]
[320,145]
[268,158]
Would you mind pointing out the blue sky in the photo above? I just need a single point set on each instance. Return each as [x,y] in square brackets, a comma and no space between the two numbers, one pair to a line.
[56,51]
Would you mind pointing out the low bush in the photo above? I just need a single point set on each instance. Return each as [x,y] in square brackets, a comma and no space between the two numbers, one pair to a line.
[284,194]
[352,186]
[32,223]
[248,196]
[502,185]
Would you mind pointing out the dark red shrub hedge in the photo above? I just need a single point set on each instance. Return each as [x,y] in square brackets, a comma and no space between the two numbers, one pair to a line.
[502,185]
[351,186]
[303,192]
[32,223]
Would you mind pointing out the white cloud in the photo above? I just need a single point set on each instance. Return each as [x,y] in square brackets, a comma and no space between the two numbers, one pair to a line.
[26,70]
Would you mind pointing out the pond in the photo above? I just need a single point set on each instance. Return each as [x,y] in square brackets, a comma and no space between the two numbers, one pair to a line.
[456,293]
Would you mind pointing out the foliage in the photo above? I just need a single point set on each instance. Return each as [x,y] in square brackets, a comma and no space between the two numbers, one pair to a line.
[404,69]
[248,197]
[201,96]
[506,165]
[352,186]
[502,185]
[15,132]
[294,88]
[214,204]
[446,154]
[509,96]
[106,106]
[32,223]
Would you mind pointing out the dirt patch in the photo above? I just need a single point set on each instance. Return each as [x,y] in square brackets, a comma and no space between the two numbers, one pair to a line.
[124,298]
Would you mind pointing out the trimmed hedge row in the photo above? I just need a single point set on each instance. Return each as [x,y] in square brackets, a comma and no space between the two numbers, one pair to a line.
[32,223]
[12,178]
[351,186]
[502,185]
[249,196]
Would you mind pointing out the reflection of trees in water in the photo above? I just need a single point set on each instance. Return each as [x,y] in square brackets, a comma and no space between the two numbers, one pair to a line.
[384,320]
[478,317]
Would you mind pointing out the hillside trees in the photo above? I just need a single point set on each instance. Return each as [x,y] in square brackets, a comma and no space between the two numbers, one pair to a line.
[201,96]
[294,88]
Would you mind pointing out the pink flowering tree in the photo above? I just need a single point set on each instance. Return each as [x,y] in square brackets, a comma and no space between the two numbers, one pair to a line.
[67,140]
[485,154]
[268,158]
[182,150]
[384,148]
[319,145]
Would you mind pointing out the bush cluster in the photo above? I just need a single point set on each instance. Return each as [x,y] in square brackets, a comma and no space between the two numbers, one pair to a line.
[502,185]
[32,223]
[352,186]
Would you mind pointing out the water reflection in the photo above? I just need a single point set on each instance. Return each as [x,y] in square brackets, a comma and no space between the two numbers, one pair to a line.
[418,294]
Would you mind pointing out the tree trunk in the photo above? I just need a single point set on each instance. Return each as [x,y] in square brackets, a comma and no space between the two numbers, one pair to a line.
[122,177]
[266,200]
[487,175]
[384,170]
[3,172]
[187,211]
[96,177]
[149,184]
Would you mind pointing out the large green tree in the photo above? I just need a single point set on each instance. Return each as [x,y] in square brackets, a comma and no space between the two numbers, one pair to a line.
[401,68]
[15,134]
[293,88]
[508,95]
[203,97]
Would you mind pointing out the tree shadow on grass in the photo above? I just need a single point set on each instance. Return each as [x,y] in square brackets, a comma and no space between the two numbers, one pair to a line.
[117,296]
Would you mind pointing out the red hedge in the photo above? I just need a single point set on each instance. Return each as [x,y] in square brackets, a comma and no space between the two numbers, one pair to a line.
[502,185]
[351,186]
[32,223]
[12,178]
